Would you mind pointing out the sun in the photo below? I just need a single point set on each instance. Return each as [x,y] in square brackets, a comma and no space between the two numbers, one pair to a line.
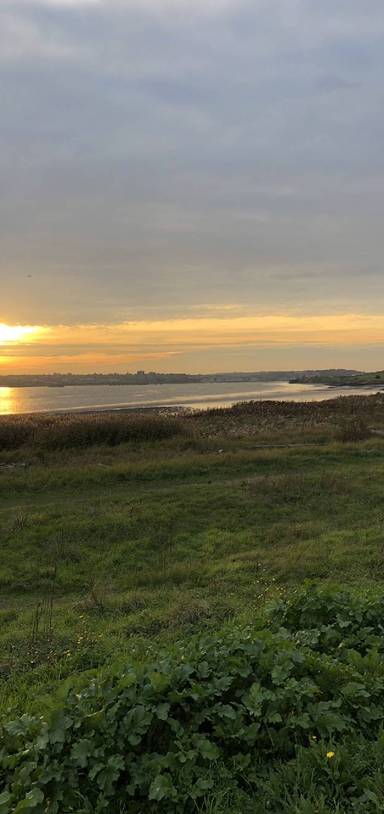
[15,333]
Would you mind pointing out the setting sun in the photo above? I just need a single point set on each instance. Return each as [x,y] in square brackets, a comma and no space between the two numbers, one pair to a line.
[15,333]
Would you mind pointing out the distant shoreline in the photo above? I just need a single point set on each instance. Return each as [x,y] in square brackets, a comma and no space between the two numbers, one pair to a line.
[176,409]
[173,399]
[141,378]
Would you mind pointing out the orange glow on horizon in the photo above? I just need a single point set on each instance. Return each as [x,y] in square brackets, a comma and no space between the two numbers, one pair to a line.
[119,346]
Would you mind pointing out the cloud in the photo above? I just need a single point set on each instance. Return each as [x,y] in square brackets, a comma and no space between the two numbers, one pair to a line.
[157,6]
[33,5]
[158,156]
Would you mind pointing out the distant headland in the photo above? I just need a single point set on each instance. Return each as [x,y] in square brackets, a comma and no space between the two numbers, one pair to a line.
[141,377]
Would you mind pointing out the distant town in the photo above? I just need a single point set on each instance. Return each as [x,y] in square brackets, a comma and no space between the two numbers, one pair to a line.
[141,377]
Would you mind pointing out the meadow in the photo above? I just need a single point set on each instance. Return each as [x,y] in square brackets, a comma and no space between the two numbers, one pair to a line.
[156,571]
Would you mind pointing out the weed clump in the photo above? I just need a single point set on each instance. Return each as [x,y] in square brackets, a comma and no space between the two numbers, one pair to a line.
[255,704]
[352,429]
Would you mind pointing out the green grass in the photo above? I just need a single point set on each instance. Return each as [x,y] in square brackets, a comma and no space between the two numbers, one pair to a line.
[155,547]
[108,553]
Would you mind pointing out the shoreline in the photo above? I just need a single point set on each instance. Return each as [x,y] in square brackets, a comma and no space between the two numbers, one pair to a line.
[184,409]
[156,408]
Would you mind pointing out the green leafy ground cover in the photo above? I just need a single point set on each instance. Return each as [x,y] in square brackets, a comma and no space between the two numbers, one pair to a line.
[111,555]
[282,717]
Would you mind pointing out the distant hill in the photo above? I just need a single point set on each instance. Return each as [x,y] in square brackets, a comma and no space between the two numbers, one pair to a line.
[141,377]
[341,378]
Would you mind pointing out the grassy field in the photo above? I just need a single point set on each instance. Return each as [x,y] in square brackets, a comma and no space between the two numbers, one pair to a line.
[118,545]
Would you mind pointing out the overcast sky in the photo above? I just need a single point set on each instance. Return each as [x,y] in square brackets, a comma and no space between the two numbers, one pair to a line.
[164,161]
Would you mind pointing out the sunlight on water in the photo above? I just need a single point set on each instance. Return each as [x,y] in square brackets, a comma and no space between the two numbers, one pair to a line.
[8,400]
[195,396]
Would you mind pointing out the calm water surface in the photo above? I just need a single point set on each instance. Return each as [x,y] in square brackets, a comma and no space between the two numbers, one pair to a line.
[195,396]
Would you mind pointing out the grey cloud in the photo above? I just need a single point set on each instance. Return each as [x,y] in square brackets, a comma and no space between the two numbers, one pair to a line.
[159,155]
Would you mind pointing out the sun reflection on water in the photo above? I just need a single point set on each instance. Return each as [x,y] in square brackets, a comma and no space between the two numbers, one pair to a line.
[8,400]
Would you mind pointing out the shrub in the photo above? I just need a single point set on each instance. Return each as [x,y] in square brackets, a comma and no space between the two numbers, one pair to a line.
[352,429]
[14,433]
[331,620]
[242,704]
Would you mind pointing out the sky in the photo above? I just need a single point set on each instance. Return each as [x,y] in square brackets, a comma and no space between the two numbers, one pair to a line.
[191,185]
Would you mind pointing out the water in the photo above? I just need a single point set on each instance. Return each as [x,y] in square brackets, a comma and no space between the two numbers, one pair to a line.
[194,396]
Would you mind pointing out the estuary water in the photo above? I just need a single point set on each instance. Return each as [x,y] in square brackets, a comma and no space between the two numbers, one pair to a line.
[203,395]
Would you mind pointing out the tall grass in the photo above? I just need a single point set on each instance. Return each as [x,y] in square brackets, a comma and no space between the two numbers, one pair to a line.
[342,406]
[344,418]
[74,431]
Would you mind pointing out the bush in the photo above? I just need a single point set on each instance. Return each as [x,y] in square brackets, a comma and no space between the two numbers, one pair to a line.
[14,433]
[332,621]
[245,704]
[352,429]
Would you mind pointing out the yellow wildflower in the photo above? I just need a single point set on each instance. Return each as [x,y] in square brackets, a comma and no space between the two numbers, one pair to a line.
[330,755]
